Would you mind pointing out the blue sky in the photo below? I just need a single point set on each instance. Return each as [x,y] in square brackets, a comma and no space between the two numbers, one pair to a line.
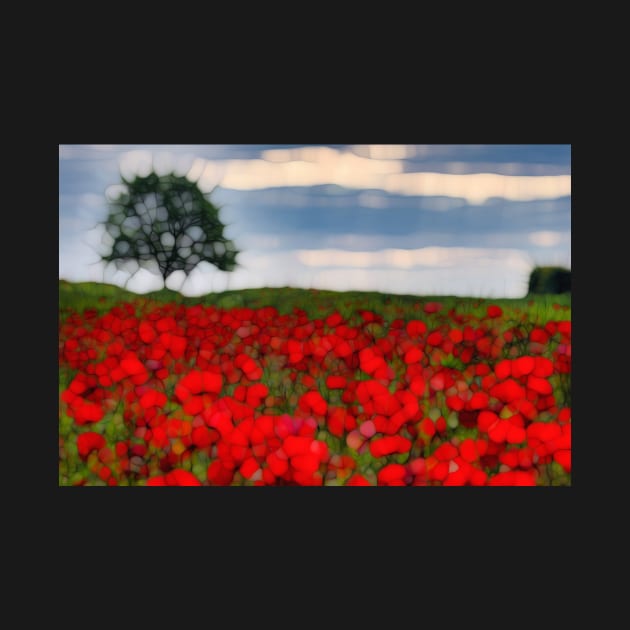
[418,219]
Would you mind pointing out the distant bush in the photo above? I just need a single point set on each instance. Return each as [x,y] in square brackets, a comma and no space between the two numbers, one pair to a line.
[550,280]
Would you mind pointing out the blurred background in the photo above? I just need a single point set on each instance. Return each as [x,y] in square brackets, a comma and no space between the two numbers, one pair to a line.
[464,220]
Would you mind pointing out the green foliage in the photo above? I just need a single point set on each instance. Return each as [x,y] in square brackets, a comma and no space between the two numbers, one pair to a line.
[549,280]
[78,296]
[165,222]
[450,361]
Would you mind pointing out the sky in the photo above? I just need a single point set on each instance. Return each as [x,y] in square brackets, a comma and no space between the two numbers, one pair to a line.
[464,220]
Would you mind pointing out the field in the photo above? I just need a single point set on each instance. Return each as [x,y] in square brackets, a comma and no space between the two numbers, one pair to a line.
[304,387]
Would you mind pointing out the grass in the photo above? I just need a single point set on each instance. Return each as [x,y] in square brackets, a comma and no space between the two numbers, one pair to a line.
[102,297]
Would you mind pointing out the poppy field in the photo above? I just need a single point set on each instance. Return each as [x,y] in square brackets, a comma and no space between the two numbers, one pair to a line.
[293,387]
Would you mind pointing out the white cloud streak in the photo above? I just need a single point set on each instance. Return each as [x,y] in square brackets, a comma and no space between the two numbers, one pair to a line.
[439,257]
[313,166]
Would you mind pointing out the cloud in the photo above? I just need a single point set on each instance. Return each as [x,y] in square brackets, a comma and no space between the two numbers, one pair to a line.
[316,166]
[547,238]
[470,282]
[442,271]
[308,166]
[476,188]
[367,167]
[387,151]
[443,257]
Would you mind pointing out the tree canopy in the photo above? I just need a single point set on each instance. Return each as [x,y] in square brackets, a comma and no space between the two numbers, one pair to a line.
[165,223]
[549,280]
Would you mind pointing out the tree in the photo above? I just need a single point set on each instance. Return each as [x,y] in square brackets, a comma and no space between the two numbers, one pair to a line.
[549,280]
[168,222]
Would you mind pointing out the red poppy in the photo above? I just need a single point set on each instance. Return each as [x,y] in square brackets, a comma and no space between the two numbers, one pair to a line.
[445,452]
[336,382]
[498,432]
[153,398]
[334,320]
[219,474]
[179,477]
[302,478]
[547,437]
[295,445]
[131,365]
[539,385]
[455,403]
[89,441]
[307,463]
[295,349]
[313,401]
[343,349]
[564,415]
[486,419]
[440,424]
[147,332]
[389,444]
[468,450]
[455,335]
[459,473]
[203,437]
[159,437]
[413,355]
[335,420]
[508,391]
[165,324]
[417,467]
[391,474]
[478,477]
[525,457]
[369,361]
[526,408]
[432,307]
[509,458]
[320,449]
[250,469]
[357,480]
[438,381]
[479,400]
[256,394]
[563,457]
[437,470]
[515,435]
[277,463]
[116,348]
[522,366]
[416,328]
[513,478]
[494,311]
[248,366]
[484,345]
[78,385]
[539,335]
[85,411]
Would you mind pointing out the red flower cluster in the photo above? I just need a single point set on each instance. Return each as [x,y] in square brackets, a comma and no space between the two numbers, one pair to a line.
[177,395]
